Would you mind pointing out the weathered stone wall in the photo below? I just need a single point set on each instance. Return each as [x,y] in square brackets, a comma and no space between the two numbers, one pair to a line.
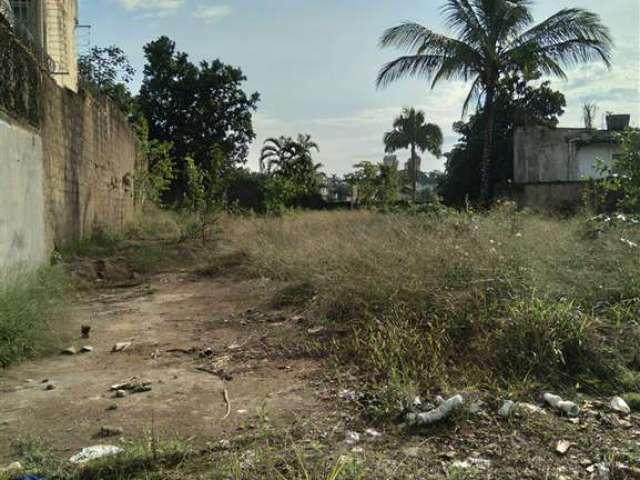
[89,159]
[22,203]
[549,196]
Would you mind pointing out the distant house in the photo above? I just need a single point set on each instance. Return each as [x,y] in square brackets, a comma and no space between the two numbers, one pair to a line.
[552,166]
[49,28]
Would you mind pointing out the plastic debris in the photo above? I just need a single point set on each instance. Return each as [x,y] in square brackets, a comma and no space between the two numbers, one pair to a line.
[569,408]
[372,432]
[510,407]
[92,453]
[351,437]
[133,385]
[121,346]
[446,408]
[12,468]
[562,446]
[617,404]
[507,408]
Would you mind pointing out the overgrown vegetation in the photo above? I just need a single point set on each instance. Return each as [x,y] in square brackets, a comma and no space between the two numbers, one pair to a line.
[32,312]
[508,299]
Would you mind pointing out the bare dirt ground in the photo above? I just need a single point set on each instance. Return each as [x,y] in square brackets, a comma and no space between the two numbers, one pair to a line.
[176,323]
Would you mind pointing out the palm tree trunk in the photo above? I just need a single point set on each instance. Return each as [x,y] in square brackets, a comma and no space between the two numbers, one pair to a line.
[415,172]
[487,150]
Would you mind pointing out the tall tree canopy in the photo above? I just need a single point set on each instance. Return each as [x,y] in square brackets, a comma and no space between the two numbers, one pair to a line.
[492,38]
[196,108]
[107,71]
[517,104]
[411,131]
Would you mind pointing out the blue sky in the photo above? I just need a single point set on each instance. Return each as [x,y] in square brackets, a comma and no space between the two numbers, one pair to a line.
[314,63]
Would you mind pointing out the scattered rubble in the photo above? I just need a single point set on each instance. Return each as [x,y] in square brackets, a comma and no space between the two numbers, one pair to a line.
[569,408]
[446,408]
[133,385]
[92,453]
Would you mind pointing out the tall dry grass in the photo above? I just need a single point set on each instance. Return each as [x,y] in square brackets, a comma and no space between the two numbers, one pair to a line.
[506,295]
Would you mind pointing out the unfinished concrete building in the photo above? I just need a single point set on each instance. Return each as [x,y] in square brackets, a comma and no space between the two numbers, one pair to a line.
[552,166]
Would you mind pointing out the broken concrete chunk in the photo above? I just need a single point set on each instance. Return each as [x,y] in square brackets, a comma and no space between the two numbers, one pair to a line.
[617,404]
[569,408]
[121,346]
[92,453]
[437,414]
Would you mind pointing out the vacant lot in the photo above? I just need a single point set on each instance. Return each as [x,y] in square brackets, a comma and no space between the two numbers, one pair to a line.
[321,324]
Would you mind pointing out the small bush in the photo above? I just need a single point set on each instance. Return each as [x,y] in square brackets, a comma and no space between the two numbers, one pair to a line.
[32,310]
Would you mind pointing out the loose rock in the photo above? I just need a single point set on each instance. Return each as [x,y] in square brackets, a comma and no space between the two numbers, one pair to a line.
[617,404]
[69,351]
[50,386]
[86,349]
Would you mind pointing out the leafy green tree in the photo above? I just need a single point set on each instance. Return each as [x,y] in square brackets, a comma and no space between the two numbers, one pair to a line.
[364,181]
[410,130]
[291,169]
[195,107]
[493,38]
[623,175]
[155,179]
[517,104]
[107,71]
[388,183]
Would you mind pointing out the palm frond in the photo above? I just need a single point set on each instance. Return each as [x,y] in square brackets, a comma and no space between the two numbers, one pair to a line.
[569,37]
[462,18]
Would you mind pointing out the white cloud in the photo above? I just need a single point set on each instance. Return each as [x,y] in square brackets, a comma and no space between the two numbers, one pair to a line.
[209,14]
[155,8]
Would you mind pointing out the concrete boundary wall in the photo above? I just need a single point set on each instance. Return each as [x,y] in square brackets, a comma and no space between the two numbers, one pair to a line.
[22,202]
[61,182]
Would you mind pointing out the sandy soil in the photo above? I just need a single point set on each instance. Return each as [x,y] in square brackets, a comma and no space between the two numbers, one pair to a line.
[170,322]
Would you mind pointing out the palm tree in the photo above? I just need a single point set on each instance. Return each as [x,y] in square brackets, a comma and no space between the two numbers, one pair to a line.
[410,130]
[276,151]
[493,38]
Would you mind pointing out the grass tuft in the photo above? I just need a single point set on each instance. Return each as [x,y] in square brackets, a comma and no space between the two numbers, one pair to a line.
[32,312]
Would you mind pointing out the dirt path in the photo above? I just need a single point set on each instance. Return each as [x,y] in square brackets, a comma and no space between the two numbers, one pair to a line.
[170,323]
